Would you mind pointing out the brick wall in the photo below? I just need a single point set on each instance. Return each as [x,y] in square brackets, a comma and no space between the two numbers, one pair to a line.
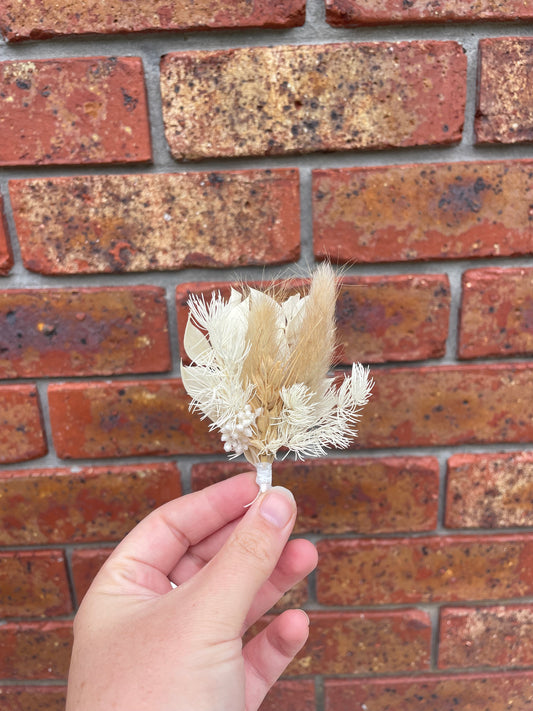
[150,150]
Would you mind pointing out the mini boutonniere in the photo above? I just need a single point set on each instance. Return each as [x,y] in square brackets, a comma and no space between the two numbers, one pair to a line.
[260,373]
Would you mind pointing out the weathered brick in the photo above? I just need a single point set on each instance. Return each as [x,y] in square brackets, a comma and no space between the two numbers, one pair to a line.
[79,110]
[496,313]
[495,636]
[33,583]
[293,695]
[47,332]
[21,433]
[365,642]
[300,99]
[6,255]
[505,89]
[423,211]
[360,495]
[489,490]
[32,21]
[473,692]
[33,698]
[431,569]
[85,564]
[92,504]
[401,318]
[449,405]
[357,13]
[129,223]
[126,418]
[35,650]
[379,319]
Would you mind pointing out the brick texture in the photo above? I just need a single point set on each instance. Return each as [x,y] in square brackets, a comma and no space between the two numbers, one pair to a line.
[21,434]
[379,319]
[83,331]
[294,695]
[449,405]
[80,110]
[496,313]
[129,223]
[6,255]
[444,568]
[472,637]
[33,698]
[363,495]
[490,692]
[489,490]
[505,88]
[85,564]
[32,21]
[364,642]
[35,650]
[419,212]
[94,504]
[301,99]
[34,584]
[125,419]
[356,13]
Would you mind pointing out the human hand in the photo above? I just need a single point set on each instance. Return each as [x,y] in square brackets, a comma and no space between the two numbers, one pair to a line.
[139,644]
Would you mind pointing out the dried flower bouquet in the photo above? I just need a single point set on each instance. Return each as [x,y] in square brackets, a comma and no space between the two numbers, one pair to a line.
[260,373]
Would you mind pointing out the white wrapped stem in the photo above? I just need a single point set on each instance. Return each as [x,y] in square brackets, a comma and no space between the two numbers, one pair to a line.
[264,476]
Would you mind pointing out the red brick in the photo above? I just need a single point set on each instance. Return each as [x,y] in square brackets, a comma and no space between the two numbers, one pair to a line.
[360,495]
[365,642]
[489,490]
[423,211]
[33,583]
[505,89]
[33,698]
[126,418]
[486,636]
[85,564]
[379,319]
[21,433]
[35,650]
[293,695]
[79,110]
[357,13]
[449,405]
[473,692]
[421,570]
[401,318]
[32,21]
[92,504]
[132,223]
[496,313]
[306,98]
[47,332]
[6,255]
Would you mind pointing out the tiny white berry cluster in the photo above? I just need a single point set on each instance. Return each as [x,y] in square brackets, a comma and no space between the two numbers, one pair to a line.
[237,432]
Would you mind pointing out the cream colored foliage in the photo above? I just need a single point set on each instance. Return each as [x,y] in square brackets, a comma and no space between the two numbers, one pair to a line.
[260,371]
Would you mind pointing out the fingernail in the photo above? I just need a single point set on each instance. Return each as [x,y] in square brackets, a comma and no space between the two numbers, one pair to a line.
[277,506]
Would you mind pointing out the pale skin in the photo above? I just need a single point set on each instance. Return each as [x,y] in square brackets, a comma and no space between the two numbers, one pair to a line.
[140,645]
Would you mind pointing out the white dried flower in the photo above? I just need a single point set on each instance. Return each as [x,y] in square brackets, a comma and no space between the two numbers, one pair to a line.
[260,372]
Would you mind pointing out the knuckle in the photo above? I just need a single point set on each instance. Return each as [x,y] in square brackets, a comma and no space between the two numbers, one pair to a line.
[252,545]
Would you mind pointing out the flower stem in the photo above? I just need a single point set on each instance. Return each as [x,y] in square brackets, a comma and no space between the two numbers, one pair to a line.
[264,476]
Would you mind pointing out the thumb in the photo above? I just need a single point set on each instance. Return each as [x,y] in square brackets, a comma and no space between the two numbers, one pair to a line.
[249,556]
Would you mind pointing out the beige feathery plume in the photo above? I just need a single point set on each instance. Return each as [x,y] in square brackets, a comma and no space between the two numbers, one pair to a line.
[260,372]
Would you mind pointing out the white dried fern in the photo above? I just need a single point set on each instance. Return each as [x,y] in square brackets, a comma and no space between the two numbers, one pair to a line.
[260,373]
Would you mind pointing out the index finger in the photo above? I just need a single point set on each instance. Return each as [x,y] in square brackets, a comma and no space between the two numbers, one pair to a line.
[163,537]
